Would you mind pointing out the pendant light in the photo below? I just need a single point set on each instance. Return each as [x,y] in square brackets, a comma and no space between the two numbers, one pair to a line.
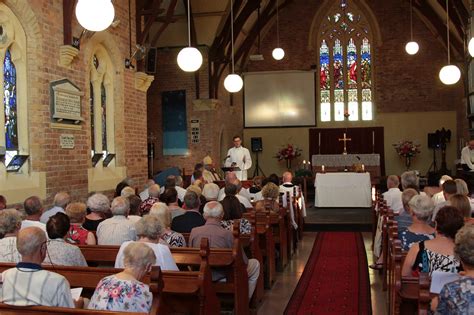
[449,74]
[233,82]
[95,15]
[189,58]
[470,47]
[278,53]
[411,47]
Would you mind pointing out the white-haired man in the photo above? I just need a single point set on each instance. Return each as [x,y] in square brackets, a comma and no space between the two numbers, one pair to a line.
[61,200]
[119,228]
[231,178]
[288,188]
[439,197]
[393,195]
[144,194]
[28,284]
[221,238]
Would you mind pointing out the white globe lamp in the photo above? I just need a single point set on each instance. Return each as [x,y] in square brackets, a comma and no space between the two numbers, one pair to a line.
[412,48]
[278,53]
[450,74]
[189,59]
[233,83]
[470,47]
[95,15]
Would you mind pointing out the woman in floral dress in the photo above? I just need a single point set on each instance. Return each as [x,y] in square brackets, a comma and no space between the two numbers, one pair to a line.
[124,291]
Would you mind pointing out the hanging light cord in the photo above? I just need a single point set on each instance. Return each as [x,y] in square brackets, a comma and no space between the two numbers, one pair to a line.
[189,25]
[447,27]
[411,21]
[232,32]
[278,28]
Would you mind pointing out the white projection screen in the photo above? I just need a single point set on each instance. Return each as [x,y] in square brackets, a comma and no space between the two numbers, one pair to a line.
[279,99]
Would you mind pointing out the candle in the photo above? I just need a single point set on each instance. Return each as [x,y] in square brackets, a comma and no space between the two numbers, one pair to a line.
[304,164]
[363,168]
[322,168]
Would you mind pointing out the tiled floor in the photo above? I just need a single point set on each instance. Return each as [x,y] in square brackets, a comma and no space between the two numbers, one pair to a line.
[276,299]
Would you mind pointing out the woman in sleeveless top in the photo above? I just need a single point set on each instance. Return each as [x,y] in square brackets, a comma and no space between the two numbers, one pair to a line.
[438,253]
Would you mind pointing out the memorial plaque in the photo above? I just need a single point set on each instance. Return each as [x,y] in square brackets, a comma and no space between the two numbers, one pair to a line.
[195,131]
[66,101]
[66,141]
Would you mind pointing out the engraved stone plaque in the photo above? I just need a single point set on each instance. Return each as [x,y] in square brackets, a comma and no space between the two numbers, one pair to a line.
[66,101]
[66,141]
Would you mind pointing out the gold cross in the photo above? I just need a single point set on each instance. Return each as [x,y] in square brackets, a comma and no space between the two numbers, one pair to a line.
[345,139]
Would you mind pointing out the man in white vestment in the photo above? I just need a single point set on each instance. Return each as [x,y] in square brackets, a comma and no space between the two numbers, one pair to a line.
[287,188]
[393,195]
[238,156]
[467,156]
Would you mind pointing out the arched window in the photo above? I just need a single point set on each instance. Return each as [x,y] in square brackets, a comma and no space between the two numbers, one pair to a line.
[345,59]
[101,103]
[10,107]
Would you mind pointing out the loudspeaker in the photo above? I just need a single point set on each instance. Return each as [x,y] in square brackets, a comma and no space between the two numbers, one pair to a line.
[433,141]
[256,144]
[151,60]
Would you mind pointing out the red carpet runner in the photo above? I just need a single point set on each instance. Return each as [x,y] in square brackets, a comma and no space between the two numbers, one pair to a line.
[335,279]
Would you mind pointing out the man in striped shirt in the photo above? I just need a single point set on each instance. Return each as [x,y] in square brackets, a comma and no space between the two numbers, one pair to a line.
[28,284]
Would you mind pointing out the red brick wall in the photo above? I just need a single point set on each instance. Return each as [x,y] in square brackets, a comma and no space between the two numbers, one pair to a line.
[66,169]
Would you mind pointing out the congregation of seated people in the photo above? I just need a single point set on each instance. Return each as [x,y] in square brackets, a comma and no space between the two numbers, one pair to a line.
[435,229]
[143,224]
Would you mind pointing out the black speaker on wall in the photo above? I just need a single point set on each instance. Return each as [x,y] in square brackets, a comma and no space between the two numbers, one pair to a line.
[257,145]
[151,60]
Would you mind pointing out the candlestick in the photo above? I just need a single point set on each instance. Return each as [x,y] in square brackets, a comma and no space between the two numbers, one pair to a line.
[373,141]
[319,142]
[322,168]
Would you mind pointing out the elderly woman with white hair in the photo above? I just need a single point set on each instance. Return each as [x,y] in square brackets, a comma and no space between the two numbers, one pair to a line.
[149,230]
[124,291]
[420,209]
[457,297]
[99,206]
[10,223]
[172,238]
[210,191]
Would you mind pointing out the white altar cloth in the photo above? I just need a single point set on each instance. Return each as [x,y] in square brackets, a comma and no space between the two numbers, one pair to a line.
[346,159]
[342,190]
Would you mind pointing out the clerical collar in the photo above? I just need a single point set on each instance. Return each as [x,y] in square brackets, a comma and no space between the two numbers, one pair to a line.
[27,265]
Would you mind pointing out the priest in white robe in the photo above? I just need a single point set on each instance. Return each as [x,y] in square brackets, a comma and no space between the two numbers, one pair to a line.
[238,156]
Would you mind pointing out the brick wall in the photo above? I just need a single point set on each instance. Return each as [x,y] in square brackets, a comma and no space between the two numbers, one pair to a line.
[66,169]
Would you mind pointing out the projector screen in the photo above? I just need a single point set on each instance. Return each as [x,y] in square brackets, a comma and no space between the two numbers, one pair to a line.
[279,99]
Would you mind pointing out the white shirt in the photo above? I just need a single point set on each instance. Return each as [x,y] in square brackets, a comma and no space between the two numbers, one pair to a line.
[27,285]
[28,223]
[243,192]
[467,156]
[438,198]
[8,251]
[241,157]
[164,258]
[144,195]
[394,199]
[115,231]
[180,190]
[48,214]
[244,201]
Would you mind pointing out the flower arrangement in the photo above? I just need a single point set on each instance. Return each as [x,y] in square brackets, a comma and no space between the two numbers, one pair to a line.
[288,152]
[407,148]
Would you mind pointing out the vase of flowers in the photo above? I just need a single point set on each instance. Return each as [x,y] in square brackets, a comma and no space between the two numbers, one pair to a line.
[407,149]
[288,153]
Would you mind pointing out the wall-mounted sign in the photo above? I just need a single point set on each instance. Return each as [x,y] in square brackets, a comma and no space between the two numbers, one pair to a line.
[66,141]
[195,131]
[65,101]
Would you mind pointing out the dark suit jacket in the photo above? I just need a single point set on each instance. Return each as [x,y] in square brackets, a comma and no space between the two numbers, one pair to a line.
[186,222]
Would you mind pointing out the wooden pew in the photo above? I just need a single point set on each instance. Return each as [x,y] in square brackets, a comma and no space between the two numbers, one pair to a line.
[229,260]
[190,292]
[6,309]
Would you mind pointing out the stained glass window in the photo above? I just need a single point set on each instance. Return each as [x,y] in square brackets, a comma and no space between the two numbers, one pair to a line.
[10,107]
[92,118]
[345,57]
[103,104]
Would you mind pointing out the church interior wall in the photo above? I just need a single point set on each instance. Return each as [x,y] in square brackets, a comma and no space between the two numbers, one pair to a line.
[407,88]
[67,169]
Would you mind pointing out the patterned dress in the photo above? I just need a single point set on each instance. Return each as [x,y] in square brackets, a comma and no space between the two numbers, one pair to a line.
[113,294]
[428,261]
[408,238]
[77,235]
[174,239]
[245,226]
[457,297]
